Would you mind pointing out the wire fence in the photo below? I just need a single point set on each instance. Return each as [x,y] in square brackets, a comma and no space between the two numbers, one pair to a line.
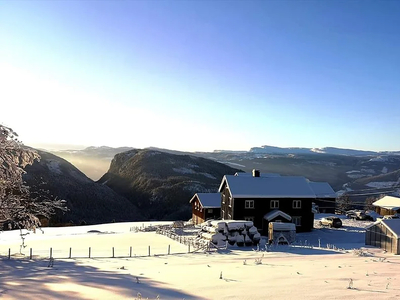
[191,243]
[194,243]
[92,252]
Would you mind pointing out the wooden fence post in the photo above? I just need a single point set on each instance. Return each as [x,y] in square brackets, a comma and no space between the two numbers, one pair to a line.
[30,253]
[89,251]
[9,253]
[130,251]
[169,249]
[51,252]
[70,252]
[149,250]
[188,248]
[113,252]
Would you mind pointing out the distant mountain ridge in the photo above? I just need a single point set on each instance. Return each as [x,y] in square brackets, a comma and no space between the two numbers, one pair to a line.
[161,184]
[107,152]
[326,150]
[88,201]
[341,168]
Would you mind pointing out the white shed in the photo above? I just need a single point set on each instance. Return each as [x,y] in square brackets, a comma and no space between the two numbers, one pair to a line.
[384,234]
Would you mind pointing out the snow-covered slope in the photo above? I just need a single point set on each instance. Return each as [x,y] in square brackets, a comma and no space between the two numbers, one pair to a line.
[325,150]
[238,273]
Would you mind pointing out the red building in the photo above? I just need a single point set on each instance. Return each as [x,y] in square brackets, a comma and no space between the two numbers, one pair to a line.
[205,206]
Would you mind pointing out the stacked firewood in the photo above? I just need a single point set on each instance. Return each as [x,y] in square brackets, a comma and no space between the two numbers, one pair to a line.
[219,232]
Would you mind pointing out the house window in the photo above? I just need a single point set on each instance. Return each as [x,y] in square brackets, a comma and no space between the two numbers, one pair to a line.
[249,204]
[249,219]
[275,204]
[296,203]
[296,221]
[210,210]
[230,201]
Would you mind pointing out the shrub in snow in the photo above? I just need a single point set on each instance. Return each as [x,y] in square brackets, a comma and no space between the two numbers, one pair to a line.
[258,261]
[350,284]
[20,205]
[360,252]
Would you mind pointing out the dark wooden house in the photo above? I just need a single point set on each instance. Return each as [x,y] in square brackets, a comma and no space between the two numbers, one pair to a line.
[387,205]
[205,206]
[263,199]
[384,234]
[325,197]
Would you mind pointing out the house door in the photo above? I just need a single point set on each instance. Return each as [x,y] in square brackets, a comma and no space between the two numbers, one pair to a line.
[264,227]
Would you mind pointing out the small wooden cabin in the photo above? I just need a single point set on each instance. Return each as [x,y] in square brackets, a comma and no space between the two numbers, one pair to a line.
[205,206]
[384,234]
[387,205]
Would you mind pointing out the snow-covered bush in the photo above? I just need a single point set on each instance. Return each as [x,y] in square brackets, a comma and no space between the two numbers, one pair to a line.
[19,207]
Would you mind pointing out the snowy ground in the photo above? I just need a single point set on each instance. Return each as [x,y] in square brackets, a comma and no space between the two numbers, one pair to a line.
[284,272]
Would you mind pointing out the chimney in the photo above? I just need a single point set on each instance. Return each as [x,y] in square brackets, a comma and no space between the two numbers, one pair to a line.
[256,173]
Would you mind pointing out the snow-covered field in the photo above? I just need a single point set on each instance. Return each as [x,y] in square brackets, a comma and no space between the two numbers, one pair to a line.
[284,272]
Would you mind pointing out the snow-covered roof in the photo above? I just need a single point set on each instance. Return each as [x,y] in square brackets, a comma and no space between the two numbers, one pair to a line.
[392,224]
[275,213]
[241,174]
[322,189]
[208,200]
[388,202]
[268,187]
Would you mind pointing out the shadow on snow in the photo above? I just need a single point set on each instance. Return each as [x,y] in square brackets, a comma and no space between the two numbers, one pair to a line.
[20,278]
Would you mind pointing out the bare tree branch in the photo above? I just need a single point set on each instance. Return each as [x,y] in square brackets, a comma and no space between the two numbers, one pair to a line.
[20,208]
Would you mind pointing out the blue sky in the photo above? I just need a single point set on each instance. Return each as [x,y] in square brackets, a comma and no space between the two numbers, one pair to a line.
[202,75]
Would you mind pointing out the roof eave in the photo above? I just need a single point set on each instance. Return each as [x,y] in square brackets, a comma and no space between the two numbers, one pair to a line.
[390,229]
[222,183]
[275,196]
[195,196]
